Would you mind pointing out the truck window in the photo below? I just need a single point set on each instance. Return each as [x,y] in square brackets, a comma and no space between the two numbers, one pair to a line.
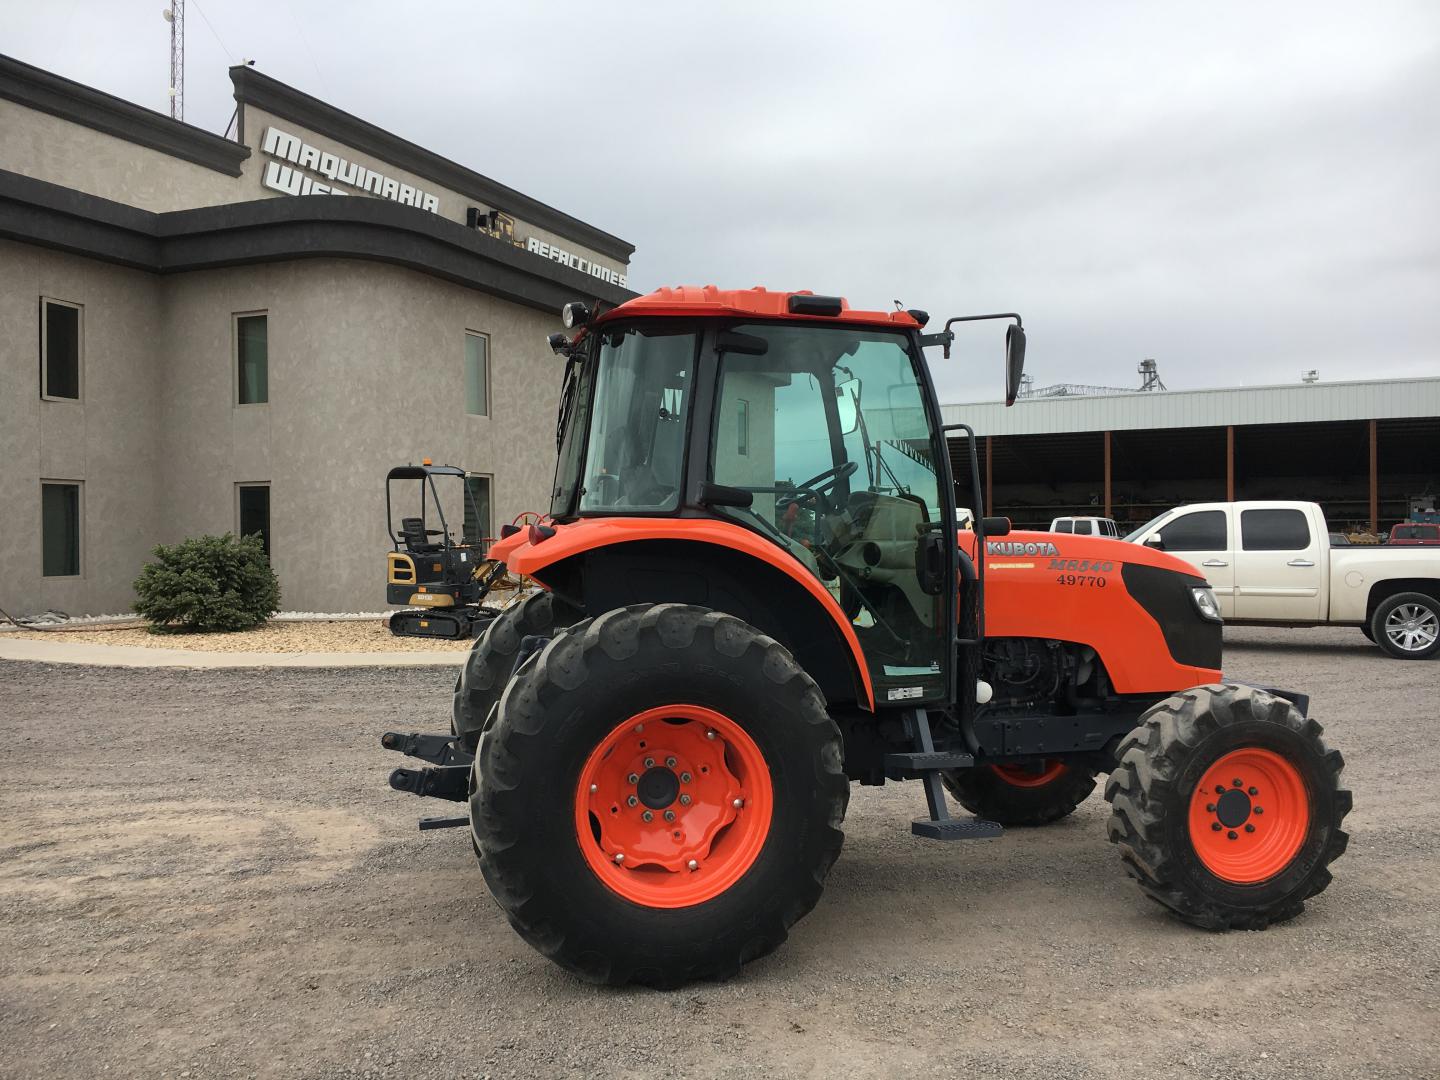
[1064,526]
[1203,530]
[1274,530]
[1083,528]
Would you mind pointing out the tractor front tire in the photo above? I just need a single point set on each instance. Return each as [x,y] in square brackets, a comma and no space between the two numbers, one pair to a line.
[1226,806]
[491,660]
[660,797]
[1013,795]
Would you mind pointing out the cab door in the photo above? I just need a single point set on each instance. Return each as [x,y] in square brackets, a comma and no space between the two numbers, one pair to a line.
[1278,566]
[1203,538]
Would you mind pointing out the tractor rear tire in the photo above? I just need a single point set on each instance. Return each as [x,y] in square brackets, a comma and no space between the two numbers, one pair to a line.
[1227,807]
[491,660]
[664,709]
[1014,797]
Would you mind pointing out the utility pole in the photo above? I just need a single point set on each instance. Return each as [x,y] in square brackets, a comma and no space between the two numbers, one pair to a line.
[175,16]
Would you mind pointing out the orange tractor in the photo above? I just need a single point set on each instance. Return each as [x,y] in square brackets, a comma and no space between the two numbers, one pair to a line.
[755,593]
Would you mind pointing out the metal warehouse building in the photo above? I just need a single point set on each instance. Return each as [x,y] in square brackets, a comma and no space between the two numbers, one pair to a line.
[243,333]
[1368,452]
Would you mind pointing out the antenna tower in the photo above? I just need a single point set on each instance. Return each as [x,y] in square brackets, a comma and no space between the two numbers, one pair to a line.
[175,16]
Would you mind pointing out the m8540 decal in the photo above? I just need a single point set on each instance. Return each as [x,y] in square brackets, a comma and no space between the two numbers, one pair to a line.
[1083,566]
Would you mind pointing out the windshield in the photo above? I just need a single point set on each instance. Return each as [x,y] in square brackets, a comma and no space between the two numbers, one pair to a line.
[1143,529]
[635,452]
[827,428]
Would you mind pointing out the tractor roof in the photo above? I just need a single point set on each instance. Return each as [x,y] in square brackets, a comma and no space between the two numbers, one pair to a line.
[759,303]
[419,472]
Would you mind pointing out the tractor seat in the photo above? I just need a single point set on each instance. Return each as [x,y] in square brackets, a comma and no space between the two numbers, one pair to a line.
[414,536]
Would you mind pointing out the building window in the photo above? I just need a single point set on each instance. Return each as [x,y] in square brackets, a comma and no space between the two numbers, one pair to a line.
[60,529]
[477,509]
[252,355]
[252,512]
[60,325]
[477,374]
[742,435]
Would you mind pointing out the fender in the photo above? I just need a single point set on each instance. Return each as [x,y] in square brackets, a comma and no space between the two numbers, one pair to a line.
[523,555]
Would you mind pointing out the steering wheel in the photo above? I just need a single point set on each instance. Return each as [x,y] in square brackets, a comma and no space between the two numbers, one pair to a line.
[818,486]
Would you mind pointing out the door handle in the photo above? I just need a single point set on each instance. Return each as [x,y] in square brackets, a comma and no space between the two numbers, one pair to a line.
[1215,562]
[1300,562]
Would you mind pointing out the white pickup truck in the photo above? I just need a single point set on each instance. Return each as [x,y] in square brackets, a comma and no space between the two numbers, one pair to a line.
[1271,564]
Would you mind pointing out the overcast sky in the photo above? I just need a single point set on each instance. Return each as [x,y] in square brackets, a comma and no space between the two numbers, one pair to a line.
[1241,191]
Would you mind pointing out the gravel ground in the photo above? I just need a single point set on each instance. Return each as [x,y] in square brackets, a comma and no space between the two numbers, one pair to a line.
[349,635]
[202,874]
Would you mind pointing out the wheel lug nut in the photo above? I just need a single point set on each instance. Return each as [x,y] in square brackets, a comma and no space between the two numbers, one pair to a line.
[620,857]
[647,816]
[649,763]
[1236,783]
[639,728]
[632,801]
[684,778]
[1209,807]
[1249,828]
[684,800]
[1214,826]
[693,865]
[633,778]
[1233,835]
[669,762]
[1259,809]
[709,734]
[669,815]
[1254,791]
[738,803]
[594,788]
[1219,790]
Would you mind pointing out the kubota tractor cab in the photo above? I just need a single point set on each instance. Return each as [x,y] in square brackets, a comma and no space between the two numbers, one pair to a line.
[755,591]
[436,565]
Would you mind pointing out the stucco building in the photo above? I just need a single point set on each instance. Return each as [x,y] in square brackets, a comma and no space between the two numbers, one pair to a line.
[207,334]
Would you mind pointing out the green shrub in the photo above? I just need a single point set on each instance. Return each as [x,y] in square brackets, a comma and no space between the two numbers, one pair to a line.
[208,583]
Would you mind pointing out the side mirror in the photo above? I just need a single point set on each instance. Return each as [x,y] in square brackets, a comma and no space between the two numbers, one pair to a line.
[1155,542]
[847,403]
[1014,361]
[996,526]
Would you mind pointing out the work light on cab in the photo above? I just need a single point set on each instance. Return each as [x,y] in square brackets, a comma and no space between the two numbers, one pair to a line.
[575,314]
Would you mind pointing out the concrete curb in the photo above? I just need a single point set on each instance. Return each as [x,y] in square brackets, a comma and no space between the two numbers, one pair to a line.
[59,652]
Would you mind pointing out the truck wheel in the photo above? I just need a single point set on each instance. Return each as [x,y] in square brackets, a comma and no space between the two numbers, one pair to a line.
[491,660]
[1016,795]
[1226,806]
[660,797]
[1407,626]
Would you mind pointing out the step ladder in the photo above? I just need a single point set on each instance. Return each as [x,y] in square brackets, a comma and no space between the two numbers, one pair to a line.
[926,763]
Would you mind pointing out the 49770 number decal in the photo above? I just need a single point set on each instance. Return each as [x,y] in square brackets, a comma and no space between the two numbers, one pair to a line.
[1091,580]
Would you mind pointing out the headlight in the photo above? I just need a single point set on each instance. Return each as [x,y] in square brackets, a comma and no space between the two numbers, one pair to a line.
[1204,598]
[574,314]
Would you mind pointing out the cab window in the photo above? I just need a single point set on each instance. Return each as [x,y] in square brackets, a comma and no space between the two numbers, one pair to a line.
[839,461]
[1274,530]
[643,387]
[1203,530]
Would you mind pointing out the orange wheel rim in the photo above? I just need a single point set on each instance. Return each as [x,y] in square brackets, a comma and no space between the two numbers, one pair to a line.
[1020,776]
[673,806]
[1249,816]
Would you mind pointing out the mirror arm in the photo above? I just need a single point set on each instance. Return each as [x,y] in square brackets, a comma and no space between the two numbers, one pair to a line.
[972,318]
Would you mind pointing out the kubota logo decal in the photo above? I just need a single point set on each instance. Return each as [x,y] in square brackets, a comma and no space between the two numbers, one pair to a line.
[1020,547]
